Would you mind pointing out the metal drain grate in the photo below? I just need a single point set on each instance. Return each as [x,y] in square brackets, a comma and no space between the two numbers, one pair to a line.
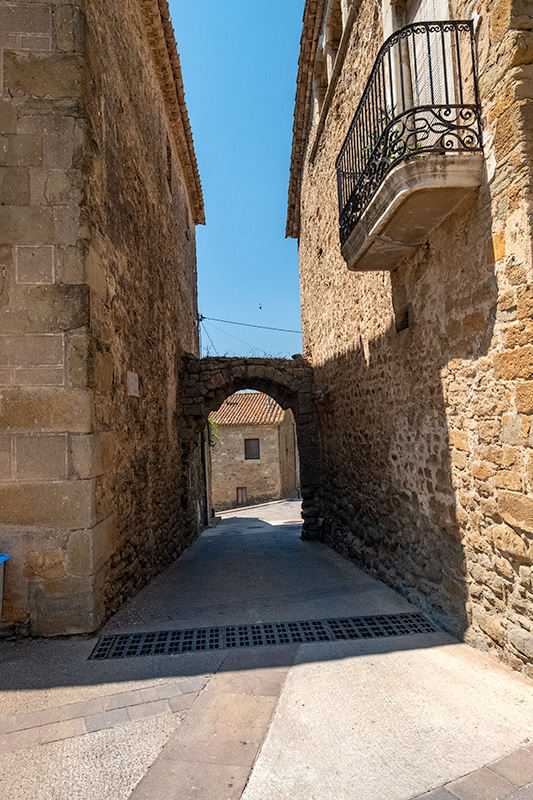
[167,643]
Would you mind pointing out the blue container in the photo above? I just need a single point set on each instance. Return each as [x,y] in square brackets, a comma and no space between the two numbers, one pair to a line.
[3,559]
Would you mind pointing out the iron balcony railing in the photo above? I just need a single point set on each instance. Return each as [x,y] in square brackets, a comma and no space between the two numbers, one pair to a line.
[422,96]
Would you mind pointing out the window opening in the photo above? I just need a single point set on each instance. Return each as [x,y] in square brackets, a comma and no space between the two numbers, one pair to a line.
[251,448]
[333,34]
[320,82]
[402,320]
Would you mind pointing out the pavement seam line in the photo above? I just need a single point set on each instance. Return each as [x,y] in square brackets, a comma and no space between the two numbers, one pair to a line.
[158,756]
[485,767]
[101,705]
[38,734]
[267,728]
[159,761]
[261,743]
[497,774]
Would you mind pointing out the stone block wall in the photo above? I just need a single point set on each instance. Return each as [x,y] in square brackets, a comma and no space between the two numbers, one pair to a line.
[97,279]
[141,261]
[46,496]
[426,433]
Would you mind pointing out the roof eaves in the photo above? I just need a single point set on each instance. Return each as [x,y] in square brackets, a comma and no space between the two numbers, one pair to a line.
[163,44]
[249,423]
[248,409]
[312,25]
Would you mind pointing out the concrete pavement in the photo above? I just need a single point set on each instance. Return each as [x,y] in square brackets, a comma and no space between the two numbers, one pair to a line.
[376,719]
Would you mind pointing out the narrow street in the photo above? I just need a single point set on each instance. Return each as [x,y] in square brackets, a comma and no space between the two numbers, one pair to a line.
[382,716]
[252,251]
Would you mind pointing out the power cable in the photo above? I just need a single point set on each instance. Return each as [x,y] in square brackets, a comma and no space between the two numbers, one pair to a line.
[209,337]
[256,349]
[201,317]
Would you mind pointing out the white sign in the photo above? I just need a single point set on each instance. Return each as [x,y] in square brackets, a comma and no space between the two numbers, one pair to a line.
[133,384]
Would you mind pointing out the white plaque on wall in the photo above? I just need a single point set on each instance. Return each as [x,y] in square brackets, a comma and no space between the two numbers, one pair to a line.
[133,384]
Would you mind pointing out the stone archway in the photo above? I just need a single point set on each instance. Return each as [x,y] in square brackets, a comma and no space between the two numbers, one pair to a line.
[205,384]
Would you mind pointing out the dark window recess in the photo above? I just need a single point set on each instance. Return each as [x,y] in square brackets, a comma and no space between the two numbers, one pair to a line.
[169,166]
[251,448]
[400,304]
[402,320]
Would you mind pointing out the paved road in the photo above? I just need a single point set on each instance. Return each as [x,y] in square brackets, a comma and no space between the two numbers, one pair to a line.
[390,718]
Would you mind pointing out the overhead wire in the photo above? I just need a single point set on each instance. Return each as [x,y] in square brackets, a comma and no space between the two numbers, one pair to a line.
[251,346]
[208,336]
[201,317]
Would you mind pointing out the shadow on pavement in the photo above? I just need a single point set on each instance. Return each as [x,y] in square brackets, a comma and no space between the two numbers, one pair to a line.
[245,570]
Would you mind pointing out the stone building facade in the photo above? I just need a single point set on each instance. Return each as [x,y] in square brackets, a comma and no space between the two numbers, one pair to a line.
[99,198]
[419,323]
[255,462]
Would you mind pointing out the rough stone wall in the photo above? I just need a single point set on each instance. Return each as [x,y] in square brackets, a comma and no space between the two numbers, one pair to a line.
[261,477]
[97,279]
[209,381]
[427,433]
[287,455]
[143,302]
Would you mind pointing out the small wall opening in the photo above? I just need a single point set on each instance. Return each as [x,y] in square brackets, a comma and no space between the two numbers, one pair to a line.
[320,83]
[333,34]
[402,308]
[402,319]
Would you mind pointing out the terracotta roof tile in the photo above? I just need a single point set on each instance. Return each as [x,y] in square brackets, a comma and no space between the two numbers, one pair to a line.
[248,408]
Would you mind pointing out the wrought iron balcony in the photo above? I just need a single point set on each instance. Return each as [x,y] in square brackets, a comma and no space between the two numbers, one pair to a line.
[419,115]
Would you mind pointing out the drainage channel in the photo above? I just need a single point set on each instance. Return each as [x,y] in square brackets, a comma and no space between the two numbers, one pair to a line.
[193,640]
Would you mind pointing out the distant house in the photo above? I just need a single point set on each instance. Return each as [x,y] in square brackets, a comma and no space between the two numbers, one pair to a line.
[257,459]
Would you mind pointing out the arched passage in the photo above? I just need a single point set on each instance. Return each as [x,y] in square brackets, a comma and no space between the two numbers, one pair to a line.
[207,382]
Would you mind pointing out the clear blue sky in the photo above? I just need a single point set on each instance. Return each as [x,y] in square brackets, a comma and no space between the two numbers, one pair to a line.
[239,60]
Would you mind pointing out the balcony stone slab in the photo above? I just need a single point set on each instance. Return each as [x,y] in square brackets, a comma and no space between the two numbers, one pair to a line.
[415,197]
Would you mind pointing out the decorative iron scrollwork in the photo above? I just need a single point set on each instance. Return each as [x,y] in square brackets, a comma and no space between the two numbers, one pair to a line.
[421,98]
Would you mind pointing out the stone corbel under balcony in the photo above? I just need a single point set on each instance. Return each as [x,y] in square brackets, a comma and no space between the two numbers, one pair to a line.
[414,198]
